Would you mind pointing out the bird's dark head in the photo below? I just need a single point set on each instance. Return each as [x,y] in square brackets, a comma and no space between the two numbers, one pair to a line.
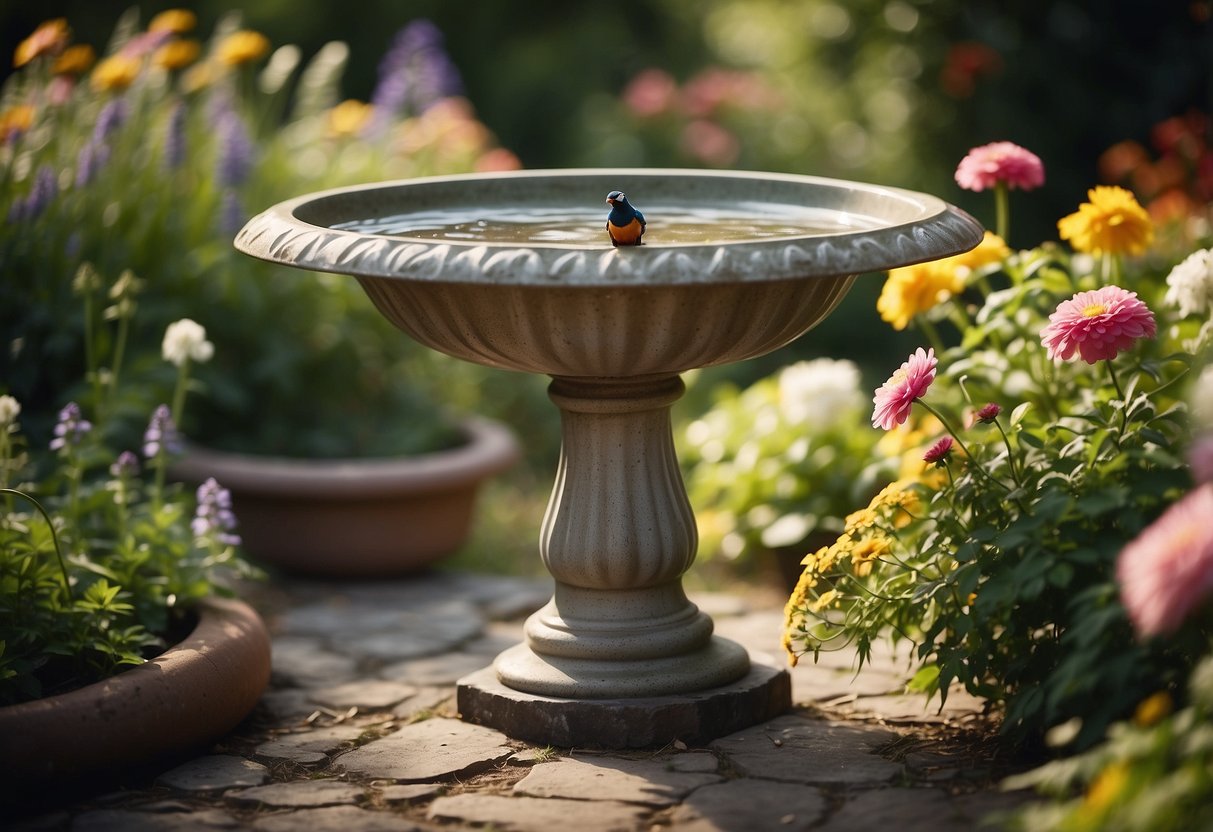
[617,197]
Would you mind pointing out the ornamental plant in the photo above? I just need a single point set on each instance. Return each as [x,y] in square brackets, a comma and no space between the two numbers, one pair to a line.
[150,152]
[1059,435]
[779,463]
[101,560]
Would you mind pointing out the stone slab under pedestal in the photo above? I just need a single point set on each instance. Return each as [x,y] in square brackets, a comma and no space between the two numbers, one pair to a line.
[644,722]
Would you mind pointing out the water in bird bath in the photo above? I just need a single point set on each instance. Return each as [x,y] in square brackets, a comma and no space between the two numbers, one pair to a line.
[667,225]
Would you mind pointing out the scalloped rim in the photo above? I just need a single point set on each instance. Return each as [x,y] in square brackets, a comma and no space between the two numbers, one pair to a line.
[934,229]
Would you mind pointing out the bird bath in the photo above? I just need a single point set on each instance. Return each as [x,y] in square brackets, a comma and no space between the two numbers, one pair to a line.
[516,271]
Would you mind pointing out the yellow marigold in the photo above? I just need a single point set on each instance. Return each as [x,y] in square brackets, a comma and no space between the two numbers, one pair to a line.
[50,37]
[1153,709]
[824,600]
[991,249]
[177,54]
[117,72]
[912,290]
[866,551]
[75,60]
[173,20]
[861,520]
[242,47]
[349,117]
[1111,223]
[793,613]
[16,120]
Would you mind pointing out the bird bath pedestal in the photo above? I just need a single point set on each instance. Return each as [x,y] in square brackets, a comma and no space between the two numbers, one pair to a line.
[516,271]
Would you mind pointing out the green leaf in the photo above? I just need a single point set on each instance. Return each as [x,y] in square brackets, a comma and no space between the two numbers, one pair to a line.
[926,680]
[1019,412]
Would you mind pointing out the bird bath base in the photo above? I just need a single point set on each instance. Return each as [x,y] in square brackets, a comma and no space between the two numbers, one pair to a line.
[619,657]
[763,693]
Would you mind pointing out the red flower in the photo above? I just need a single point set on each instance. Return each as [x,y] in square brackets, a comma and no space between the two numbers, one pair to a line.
[895,397]
[988,413]
[1167,570]
[1099,324]
[939,452]
[1000,162]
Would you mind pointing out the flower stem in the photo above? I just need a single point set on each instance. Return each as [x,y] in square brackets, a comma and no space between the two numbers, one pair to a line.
[961,443]
[1120,395]
[931,333]
[67,584]
[1002,210]
[1006,440]
[183,376]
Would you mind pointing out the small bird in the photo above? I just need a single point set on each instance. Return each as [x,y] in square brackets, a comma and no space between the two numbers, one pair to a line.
[625,225]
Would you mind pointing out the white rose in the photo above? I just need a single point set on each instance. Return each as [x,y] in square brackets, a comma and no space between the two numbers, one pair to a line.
[185,340]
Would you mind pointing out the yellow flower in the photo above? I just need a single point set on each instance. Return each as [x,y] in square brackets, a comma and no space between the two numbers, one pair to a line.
[1106,787]
[1153,709]
[861,520]
[75,60]
[349,117]
[48,38]
[15,120]
[198,76]
[823,600]
[173,20]
[866,551]
[912,290]
[242,47]
[1111,223]
[117,72]
[177,54]
[991,249]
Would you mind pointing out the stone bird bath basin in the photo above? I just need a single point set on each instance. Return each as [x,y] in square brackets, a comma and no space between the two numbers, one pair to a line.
[516,271]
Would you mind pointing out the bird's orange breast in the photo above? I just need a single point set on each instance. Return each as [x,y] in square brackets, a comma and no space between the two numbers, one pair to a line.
[625,235]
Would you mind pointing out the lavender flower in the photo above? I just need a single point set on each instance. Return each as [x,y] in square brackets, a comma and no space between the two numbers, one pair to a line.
[235,149]
[161,434]
[42,193]
[174,138]
[125,466]
[72,428]
[112,116]
[214,521]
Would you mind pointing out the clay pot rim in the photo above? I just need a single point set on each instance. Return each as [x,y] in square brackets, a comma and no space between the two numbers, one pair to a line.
[490,448]
[220,669]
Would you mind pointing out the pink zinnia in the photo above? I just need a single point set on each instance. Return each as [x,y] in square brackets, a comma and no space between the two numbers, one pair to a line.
[1099,324]
[895,397]
[988,413]
[1167,570]
[939,451]
[1005,162]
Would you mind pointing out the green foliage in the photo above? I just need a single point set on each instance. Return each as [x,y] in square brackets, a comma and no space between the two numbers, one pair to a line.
[780,463]
[999,565]
[1153,774]
[157,177]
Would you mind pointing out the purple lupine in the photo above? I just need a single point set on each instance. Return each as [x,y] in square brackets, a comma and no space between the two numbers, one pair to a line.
[125,466]
[414,73]
[112,116]
[42,193]
[214,521]
[174,137]
[71,428]
[235,160]
[231,212]
[161,434]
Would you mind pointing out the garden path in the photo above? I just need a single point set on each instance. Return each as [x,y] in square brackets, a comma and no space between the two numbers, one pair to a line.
[358,733]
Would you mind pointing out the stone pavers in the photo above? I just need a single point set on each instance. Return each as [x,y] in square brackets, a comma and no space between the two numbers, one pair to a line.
[359,734]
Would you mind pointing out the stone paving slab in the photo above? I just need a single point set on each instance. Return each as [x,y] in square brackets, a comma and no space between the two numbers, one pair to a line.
[337,819]
[299,794]
[429,750]
[214,773]
[747,804]
[534,814]
[649,782]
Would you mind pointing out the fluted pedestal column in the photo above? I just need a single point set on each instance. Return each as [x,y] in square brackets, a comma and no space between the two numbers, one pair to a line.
[619,631]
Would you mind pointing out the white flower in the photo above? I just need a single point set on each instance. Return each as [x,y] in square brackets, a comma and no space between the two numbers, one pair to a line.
[185,340]
[1191,284]
[818,392]
[10,409]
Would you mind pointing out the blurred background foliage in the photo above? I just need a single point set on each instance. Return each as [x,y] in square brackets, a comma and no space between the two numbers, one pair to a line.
[888,91]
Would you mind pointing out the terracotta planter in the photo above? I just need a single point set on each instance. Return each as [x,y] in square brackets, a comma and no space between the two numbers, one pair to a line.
[357,517]
[186,698]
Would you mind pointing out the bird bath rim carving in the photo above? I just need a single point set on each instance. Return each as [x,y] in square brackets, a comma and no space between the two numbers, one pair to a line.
[892,227]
